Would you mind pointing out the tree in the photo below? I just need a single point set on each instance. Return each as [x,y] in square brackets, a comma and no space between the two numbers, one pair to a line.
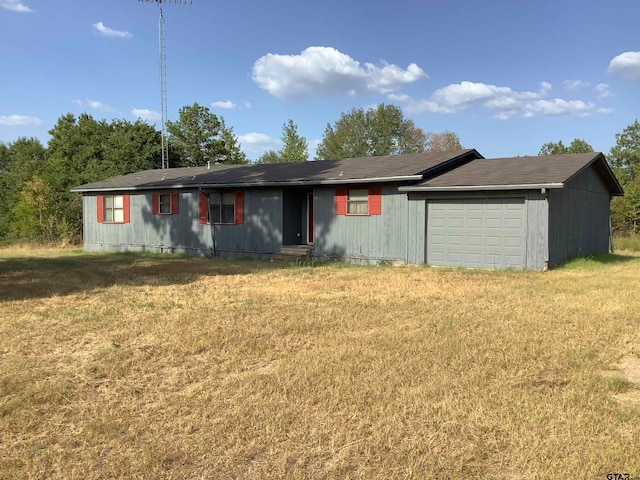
[20,162]
[626,154]
[34,212]
[128,148]
[625,159]
[86,150]
[442,142]
[196,136]
[377,131]
[294,146]
[270,156]
[233,154]
[577,146]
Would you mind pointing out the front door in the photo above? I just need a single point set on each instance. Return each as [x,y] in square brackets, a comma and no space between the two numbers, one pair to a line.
[297,217]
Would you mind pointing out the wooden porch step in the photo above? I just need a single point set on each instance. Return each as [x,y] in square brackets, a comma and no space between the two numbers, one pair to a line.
[293,253]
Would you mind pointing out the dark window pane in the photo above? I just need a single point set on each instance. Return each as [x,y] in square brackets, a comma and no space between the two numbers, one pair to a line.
[227,214]
[165,203]
[215,214]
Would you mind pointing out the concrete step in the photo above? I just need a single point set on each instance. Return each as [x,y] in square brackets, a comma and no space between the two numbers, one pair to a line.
[293,253]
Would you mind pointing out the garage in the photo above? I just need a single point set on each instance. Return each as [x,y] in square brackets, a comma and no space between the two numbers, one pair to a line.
[480,233]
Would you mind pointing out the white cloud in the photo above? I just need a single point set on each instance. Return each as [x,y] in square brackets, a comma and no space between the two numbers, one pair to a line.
[255,144]
[226,104]
[95,104]
[558,106]
[110,32]
[605,111]
[627,65]
[575,84]
[19,120]
[327,71]
[15,6]
[504,102]
[603,90]
[146,114]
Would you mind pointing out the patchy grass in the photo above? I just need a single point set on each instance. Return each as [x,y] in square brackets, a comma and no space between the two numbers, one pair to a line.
[631,244]
[129,366]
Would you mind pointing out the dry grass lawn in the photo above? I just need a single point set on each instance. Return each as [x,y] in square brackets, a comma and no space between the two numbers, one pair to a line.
[129,366]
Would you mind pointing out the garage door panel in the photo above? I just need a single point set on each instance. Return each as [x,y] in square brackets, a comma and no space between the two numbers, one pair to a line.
[472,222]
[437,239]
[493,222]
[477,233]
[473,240]
[513,242]
[514,223]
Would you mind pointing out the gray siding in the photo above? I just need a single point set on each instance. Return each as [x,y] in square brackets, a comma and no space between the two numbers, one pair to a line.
[370,238]
[579,218]
[537,230]
[260,235]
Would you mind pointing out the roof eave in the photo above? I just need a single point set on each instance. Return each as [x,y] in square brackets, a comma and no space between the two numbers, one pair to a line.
[471,188]
[346,181]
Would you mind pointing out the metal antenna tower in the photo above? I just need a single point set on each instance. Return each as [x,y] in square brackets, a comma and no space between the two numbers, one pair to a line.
[163,76]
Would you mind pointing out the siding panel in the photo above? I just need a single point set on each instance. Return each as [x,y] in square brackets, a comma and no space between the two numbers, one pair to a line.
[364,239]
[260,235]
[579,218]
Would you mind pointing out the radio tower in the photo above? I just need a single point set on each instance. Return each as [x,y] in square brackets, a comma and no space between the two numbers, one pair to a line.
[163,76]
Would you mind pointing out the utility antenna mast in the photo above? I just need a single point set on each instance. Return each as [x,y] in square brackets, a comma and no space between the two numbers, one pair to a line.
[163,76]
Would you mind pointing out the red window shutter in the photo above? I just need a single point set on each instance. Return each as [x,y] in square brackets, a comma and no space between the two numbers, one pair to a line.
[375,201]
[125,207]
[155,203]
[175,204]
[100,208]
[341,201]
[203,210]
[239,220]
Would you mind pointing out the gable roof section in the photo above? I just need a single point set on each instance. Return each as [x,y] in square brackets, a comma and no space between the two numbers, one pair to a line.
[412,167]
[519,173]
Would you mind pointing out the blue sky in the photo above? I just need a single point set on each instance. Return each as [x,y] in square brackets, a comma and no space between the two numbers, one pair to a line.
[506,75]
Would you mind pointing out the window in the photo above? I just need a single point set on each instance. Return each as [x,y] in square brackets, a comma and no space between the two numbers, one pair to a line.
[358,201]
[223,207]
[113,208]
[165,203]
[226,208]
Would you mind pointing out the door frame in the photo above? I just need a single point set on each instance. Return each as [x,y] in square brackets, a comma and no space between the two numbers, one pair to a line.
[310,219]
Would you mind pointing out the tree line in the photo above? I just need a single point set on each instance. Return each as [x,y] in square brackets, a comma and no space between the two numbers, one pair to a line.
[36,204]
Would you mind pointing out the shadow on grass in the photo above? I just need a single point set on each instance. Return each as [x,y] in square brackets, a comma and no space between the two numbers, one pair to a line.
[597,260]
[24,277]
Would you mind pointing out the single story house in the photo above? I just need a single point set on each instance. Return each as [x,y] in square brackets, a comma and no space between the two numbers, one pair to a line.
[445,208]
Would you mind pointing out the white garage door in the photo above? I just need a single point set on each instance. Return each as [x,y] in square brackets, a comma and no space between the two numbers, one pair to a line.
[477,233]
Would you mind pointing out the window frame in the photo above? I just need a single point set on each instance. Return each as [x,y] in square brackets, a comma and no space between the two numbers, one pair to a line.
[374,201]
[102,208]
[166,203]
[173,202]
[234,216]
[357,201]
[223,208]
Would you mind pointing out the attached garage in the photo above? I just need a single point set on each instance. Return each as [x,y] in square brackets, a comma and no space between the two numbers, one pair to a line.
[480,233]
[521,213]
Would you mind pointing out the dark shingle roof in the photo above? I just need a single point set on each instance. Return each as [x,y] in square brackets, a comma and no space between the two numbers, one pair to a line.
[551,171]
[350,170]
